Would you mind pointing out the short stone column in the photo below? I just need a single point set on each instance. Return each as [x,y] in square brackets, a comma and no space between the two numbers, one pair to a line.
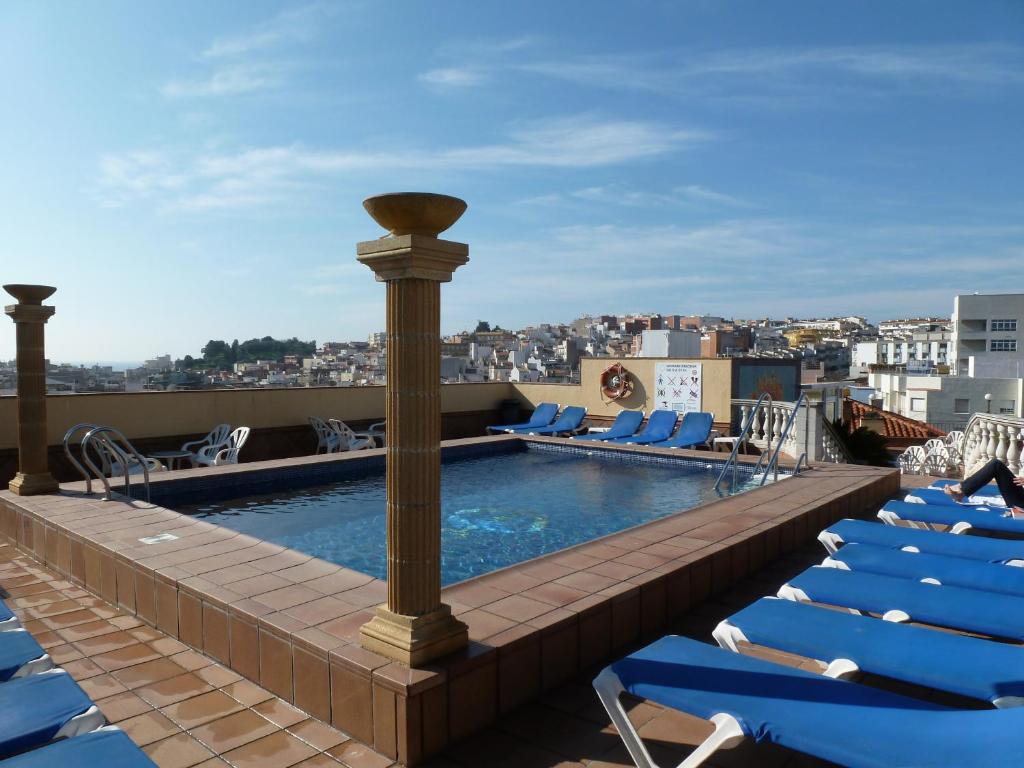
[414,626]
[29,317]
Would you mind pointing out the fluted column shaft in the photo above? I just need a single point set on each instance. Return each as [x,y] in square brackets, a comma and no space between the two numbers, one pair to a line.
[414,453]
[414,626]
[30,317]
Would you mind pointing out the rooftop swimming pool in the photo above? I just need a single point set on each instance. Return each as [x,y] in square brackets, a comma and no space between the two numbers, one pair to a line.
[498,508]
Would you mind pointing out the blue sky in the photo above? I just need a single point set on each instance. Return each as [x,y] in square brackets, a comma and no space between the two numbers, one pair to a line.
[193,170]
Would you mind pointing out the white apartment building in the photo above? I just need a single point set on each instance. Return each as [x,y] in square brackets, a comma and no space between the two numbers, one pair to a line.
[988,335]
[923,351]
[947,402]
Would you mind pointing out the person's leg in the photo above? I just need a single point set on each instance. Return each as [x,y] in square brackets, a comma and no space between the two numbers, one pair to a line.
[1012,494]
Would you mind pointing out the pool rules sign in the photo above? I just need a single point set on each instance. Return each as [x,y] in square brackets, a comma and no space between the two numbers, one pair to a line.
[677,387]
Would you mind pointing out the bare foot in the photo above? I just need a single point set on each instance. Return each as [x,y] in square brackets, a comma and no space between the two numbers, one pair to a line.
[954,492]
[1017,513]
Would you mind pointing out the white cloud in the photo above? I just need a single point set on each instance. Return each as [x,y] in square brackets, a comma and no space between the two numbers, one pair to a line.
[452,77]
[229,81]
[292,25]
[703,194]
[219,180]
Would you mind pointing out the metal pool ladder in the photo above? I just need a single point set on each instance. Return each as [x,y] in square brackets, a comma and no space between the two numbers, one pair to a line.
[773,456]
[115,453]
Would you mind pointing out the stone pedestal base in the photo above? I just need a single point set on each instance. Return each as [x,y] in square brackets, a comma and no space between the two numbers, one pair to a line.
[25,484]
[413,640]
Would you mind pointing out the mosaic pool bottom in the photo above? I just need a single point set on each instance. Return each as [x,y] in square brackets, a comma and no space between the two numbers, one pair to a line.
[497,510]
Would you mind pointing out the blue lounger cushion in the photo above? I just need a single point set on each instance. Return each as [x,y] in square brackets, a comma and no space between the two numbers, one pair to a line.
[936,496]
[569,421]
[838,721]
[34,709]
[951,571]
[902,537]
[625,424]
[986,613]
[961,516]
[968,666]
[105,748]
[18,650]
[660,426]
[542,415]
[989,490]
[695,430]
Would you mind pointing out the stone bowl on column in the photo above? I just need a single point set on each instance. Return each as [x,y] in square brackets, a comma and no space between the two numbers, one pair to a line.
[415,213]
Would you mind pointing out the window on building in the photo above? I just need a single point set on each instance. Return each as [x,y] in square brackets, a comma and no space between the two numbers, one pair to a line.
[961,405]
[917,403]
[1004,325]
[1003,345]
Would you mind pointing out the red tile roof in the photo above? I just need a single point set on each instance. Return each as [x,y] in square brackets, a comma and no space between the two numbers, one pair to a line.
[894,425]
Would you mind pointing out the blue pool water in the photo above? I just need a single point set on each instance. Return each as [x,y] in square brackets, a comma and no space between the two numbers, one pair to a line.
[497,510]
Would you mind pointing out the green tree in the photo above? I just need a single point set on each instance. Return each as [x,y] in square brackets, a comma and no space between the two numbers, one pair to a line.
[482,326]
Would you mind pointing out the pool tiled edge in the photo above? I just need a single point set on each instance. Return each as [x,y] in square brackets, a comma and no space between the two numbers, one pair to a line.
[290,622]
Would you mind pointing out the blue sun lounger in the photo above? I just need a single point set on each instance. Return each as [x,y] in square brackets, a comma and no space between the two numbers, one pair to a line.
[107,747]
[960,518]
[938,497]
[1006,551]
[847,643]
[568,422]
[695,430]
[660,426]
[989,490]
[987,613]
[543,415]
[842,722]
[942,569]
[625,424]
[43,707]
[21,655]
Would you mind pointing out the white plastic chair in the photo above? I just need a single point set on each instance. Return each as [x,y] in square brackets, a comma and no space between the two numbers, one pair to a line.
[211,456]
[374,432]
[938,461]
[217,438]
[327,440]
[911,461]
[347,438]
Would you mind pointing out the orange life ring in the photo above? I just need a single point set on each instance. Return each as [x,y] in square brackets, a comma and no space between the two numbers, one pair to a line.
[616,382]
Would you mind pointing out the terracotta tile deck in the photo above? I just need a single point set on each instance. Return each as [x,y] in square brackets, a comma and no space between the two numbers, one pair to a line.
[289,622]
[182,708]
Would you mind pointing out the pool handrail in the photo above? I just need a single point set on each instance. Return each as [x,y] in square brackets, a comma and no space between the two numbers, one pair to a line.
[744,433]
[773,462]
[67,452]
[124,451]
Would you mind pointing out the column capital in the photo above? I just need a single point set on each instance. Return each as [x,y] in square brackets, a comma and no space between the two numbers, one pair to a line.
[29,313]
[402,257]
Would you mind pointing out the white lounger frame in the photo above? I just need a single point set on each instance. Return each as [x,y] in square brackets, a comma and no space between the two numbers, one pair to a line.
[727,734]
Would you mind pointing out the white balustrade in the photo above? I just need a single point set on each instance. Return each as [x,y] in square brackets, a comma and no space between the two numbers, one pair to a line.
[811,433]
[988,437]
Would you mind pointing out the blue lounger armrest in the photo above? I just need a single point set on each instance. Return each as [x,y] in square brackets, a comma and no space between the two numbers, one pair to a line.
[625,424]
[43,707]
[104,748]
[835,720]
[901,537]
[919,566]
[960,518]
[21,655]
[968,666]
[986,613]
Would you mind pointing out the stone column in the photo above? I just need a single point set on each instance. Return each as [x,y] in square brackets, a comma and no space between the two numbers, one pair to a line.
[414,626]
[29,317]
